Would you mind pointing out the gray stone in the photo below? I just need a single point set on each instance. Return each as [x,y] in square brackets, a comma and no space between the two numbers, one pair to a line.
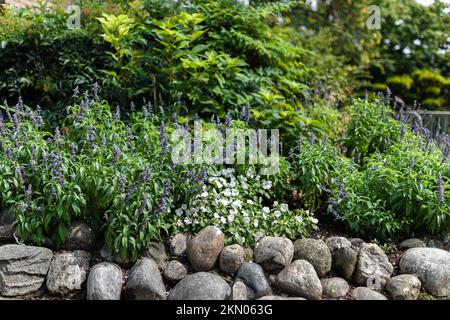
[7,227]
[178,244]
[175,271]
[231,258]
[239,291]
[434,243]
[80,237]
[157,251]
[431,266]
[315,252]
[299,279]
[145,281]
[104,282]
[68,272]
[204,249]
[201,286]
[363,293]
[404,287]
[344,262]
[373,268]
[357,243]
[280,298]
[412,243]
[335,243]
[274,253]
[335,287]
[22,269]
[252,274]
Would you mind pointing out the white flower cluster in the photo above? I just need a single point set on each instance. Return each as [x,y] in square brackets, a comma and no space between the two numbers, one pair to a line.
[234,203]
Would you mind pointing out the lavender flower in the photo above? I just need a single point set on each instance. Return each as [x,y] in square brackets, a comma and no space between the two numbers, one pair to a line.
[20,174]
[144,205]
[28,194]
[56,167]
[117,115]
[228,120]
[291,153]
[161,207]
[73,148]
[162,137]
[52,192]
[132,106]
[245,114]
[76,93]
[130,192]
[91,135]
[123,182]
[95,90]
[115,155]
[145,176]
[312,138]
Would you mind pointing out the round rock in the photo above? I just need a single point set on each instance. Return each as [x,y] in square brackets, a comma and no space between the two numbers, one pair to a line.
[157,251]
[252,274]
[299,279]
[175,271]
[335,243]
[315,252]
[178,244]
[404,287]
[373,268]
[145,281]
[204,249]
[344,262]
[239,291]
[363,293]
[67,272]
[431,266]
[104,282]
[412,243]
[80,237]
[274,253]
[335,287]
[231,258]
[201,286]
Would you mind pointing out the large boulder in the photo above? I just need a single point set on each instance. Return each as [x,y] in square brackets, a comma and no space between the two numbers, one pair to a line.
[252,274]
[274,253]
[431,266]
[404,287]
[315,252]
[299,279]
[80,237]
[68,272]
[22,269]
[201,286]
[7,227]
[363,293]
[231,258]
[145,282]
[344,262]
[373,267]
[104,282]
[335,287]
[204,249]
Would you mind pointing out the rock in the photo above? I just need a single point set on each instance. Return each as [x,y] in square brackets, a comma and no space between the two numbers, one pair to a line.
[274,253]
[175,271]
[412,243]
[239,291]
[373,268]
[315,252]
[68,272]
[357,243]
[299,279]
[104,282]
[434,243]
[344,262]
[280,298]
[178,244]
[363,293]
[335,287]
[22,269]
[7,227]
[80,237]
[404,287]
[201,286]
[231,258]
[145,281]
[248,254]
[335,243]
[157,251]
[431,266]
[108,255]
[204,249]
[253,276]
